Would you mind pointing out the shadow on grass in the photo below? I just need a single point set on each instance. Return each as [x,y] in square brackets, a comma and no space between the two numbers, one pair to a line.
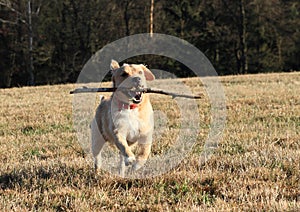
[54,185]
[62,175]
[56,175]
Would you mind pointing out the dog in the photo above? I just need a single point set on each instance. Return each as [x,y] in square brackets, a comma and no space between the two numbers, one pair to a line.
[126,118]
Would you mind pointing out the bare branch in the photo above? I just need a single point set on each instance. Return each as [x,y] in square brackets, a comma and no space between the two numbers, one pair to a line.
[5,3]
[7,22]
[8,5]
[37,12]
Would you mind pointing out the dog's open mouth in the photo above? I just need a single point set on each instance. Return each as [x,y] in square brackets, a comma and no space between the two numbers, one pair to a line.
[135,96]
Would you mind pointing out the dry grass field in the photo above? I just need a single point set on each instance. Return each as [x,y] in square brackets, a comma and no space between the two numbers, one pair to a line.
[255,168]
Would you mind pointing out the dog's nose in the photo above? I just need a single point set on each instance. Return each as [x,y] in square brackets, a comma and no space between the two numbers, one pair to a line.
[137,80]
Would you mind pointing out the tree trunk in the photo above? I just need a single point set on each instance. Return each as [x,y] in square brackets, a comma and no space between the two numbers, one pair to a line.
[126,17]
[30,46]
[151,17]
[242,35]
[279,50]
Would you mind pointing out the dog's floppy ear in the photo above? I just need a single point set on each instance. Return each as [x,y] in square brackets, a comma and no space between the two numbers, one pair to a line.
[114,65]
[148,74]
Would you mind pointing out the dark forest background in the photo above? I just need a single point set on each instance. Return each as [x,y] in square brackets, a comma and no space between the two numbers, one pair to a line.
[49,41]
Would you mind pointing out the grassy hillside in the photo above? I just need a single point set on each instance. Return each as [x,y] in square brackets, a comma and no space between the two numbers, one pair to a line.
[256,166]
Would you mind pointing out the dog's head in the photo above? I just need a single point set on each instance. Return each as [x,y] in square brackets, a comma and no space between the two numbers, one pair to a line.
[132,77]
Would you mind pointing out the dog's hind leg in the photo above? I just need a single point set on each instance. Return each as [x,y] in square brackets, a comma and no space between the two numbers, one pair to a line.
[97,144]
[122,165]
[143,154]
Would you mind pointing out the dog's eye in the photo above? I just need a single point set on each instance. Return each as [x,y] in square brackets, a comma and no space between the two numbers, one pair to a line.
[141,72]
[124,74]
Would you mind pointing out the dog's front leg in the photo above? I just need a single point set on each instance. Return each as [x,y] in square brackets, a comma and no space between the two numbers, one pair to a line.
[125,150]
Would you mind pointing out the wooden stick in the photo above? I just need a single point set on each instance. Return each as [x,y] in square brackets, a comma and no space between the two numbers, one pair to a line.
[92,90]
[145,90]
[174,95]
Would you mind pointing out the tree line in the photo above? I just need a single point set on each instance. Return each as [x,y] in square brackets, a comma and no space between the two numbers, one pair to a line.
[49,41]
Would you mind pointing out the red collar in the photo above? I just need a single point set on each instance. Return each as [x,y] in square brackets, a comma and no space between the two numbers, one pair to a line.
[126,106]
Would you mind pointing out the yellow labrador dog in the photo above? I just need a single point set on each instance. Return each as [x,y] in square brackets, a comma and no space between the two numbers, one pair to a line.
[126,118]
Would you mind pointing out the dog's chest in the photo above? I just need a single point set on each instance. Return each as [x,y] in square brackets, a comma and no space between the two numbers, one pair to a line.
[129,122]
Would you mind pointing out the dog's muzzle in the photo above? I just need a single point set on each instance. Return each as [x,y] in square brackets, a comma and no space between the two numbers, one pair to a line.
[135,96]
[134,90]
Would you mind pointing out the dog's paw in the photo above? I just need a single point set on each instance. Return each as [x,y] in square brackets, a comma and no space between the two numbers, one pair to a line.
[129,160]
[138,164]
